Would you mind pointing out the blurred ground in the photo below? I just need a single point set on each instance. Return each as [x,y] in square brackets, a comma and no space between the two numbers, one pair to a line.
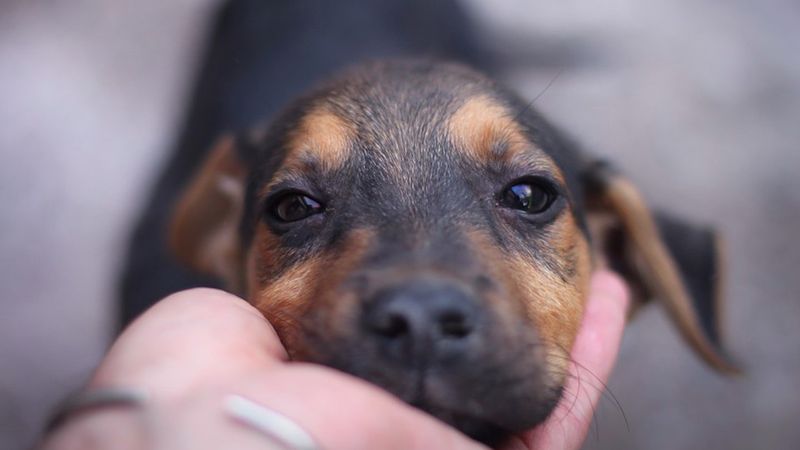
[699,101]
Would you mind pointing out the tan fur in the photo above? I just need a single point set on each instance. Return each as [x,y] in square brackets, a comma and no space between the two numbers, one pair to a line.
[603,225]
[480,126]
[497,266]
[321,136]
[487,131]
[286,299]
[657,267]
[554,306]
[203,232]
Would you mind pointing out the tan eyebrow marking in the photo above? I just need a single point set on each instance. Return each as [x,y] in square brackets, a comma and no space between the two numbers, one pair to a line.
[322,136]
[486,131]
[321,139]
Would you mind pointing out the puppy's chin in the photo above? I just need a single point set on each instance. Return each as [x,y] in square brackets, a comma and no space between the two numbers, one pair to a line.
[481,430]
[487,409]
[492,419]
[487,430]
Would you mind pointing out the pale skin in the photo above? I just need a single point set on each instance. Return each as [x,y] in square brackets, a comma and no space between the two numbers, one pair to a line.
[196,347]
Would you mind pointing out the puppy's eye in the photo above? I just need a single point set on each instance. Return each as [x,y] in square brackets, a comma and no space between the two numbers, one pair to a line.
[294,206]
[529,196]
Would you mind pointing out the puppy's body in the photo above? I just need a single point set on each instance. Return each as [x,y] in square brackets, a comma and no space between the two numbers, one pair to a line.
[415,224]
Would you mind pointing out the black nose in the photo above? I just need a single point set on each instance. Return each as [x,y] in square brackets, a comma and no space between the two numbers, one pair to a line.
[421,315]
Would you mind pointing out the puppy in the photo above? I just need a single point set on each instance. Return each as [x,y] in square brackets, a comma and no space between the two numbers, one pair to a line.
[416,225]
[410,222]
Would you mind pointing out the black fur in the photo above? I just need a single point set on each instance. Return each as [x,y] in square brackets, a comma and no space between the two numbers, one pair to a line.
[260,55]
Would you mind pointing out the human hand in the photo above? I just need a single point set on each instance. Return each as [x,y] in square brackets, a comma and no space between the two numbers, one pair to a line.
[195,348]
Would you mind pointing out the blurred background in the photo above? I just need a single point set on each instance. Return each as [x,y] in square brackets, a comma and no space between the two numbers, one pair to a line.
[698,101]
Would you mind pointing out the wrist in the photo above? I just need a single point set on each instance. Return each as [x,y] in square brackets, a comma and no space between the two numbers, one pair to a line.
[115,427]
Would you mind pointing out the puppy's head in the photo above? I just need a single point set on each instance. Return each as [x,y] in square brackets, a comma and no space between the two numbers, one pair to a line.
[417,226]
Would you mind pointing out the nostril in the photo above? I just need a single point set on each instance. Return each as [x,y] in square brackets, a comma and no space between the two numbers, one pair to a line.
[420,314]
[453,324]
[392,325]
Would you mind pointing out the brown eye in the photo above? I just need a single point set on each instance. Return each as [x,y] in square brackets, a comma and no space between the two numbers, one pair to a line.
[295,206]
[530,197]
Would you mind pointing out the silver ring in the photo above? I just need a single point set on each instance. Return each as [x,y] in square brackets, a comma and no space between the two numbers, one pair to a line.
[274,425]
[95,398]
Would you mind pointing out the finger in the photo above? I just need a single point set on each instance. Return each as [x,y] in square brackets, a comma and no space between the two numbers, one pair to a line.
[189,338]
[348,412]
[595,351]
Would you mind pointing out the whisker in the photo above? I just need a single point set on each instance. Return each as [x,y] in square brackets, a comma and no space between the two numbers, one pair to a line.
[540,94]
[605,391]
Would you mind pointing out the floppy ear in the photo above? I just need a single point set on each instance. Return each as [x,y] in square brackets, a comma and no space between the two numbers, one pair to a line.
[204,230]
[662,257]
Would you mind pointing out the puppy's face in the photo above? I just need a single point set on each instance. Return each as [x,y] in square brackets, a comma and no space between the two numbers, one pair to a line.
[416,226]
[417,234]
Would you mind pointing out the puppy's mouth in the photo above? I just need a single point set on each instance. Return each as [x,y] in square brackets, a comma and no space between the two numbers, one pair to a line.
[487,411]
[455,413]
[487,408]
